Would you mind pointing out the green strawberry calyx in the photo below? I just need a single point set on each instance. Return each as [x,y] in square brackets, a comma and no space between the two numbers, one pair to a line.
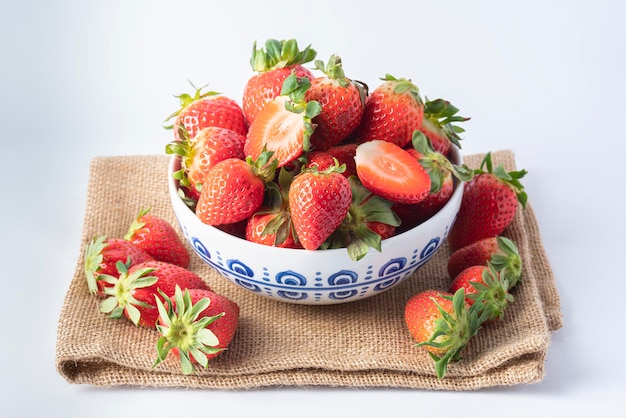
[404,85]
[442,114]
[93,259]
[511,178]
[279,54]
[436,164]
[186,99]
[493,295]
[137,223]
[453,331]
[333,69]
[181,329]
[507,261]
[120,293]
[295,88]
[276,202]
[353,233]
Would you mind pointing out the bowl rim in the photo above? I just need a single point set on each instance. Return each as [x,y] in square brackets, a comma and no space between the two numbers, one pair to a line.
[173,185]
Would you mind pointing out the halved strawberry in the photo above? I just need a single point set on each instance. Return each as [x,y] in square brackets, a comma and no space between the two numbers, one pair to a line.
[391,172]
[284,124]
[273,65]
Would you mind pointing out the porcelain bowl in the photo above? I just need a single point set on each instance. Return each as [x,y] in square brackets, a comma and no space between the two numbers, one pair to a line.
[321,277]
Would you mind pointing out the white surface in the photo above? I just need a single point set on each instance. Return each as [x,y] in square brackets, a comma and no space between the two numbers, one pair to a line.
[81,79]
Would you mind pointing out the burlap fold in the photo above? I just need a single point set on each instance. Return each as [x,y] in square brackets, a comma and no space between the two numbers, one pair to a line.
[358,344]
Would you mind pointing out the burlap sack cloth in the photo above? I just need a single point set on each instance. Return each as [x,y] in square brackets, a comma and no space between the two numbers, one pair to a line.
[358,344]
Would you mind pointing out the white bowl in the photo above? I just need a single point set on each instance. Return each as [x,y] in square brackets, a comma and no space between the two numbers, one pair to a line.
[321,277]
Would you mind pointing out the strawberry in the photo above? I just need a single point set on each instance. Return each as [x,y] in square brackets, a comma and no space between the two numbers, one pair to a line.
[441,172]
[342,101]
[158,238]
[272,224]
[442,323]
[196,325]
[369,221]
[284,125]
[210,146]
[345,153]
[392,112]
[489,204]
[206,109]
[501,252]
[320,159]
[318,201]
[272,228]
[391,172]
[273,64]
[437,125]
[485,284]
[234,189]
[102,255]
[132,293]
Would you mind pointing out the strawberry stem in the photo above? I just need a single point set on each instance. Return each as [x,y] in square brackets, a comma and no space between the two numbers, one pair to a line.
[181,329]
[453,331]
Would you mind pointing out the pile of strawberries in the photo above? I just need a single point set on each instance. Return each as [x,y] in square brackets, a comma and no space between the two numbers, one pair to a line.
[315,162]
[313,159]
[484,268]
[144,277]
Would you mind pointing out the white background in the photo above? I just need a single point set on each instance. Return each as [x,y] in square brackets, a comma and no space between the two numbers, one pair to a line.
[81,79]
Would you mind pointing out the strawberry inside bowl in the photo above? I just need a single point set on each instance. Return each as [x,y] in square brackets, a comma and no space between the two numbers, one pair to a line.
[321,276]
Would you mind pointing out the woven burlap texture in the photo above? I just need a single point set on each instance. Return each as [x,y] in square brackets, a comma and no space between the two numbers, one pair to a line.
[357,344]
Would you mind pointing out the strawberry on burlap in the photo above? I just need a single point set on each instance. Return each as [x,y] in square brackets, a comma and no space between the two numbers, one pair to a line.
[358,344]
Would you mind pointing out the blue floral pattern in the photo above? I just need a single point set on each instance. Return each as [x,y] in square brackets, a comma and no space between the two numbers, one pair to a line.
[293,286]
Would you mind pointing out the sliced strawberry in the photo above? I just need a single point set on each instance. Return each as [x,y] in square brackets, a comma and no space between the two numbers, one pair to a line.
[276,129]
[284,125]
[273,64]
[391,172]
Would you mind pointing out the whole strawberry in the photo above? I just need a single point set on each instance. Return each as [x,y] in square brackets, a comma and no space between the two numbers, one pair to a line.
[157,237]
[273,65]
[196,325]
[132,294]
[233,190]
[393,111]
[102,256]
[318,201]
[342,101]
[441,172]
[369,221]
[210,146]
[272,224]
[500,252]
[442,323]
[489,204]
[438,125]
[483,283]
[206,109]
